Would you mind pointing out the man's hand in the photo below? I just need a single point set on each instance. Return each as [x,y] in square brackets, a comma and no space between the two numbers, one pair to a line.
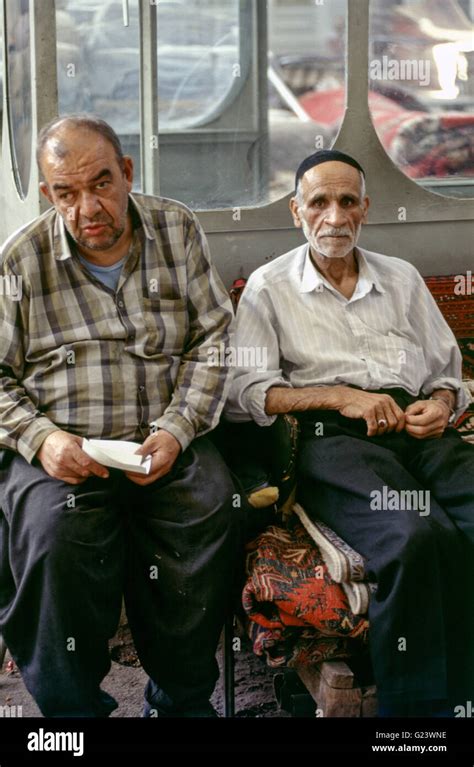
[373,408]
[62,458]
[164,449]
[427,419]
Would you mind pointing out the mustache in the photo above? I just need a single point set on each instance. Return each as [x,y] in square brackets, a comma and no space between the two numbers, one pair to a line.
[93,221]
[340,231]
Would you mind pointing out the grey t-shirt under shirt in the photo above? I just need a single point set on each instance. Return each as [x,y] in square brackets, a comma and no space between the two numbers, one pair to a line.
[109,275]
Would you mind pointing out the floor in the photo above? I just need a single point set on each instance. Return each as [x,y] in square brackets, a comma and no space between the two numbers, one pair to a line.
[254,694]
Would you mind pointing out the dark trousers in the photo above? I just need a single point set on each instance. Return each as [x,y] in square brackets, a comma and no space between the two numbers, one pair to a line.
[421,617]
[69,552]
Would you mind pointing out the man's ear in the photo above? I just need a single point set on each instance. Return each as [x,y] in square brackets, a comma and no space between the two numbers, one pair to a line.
[365,208]
[294,209]
[127,167]
[44,189]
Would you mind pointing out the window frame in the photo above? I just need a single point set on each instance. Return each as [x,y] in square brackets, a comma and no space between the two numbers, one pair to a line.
[356,135]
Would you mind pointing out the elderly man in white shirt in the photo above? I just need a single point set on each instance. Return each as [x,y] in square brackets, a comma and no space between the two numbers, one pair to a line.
[357,349]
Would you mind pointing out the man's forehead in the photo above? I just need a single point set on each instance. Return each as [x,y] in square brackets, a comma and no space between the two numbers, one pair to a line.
[331,173]
[69,157]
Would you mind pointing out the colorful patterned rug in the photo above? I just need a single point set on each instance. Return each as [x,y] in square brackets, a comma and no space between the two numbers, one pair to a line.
[296,612]
[454,294]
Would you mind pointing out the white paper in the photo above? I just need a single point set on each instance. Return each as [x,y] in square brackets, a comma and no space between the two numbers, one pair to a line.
[117,454]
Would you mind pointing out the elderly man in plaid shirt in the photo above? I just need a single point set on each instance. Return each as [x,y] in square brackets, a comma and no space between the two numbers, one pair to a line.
[120,306]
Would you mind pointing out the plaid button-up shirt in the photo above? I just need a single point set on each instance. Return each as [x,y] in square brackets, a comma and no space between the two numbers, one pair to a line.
[78,356]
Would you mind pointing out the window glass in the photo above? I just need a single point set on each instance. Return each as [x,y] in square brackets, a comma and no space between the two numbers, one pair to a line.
[198,58]
[307,49]
[242,95]
[99,64]
[275,69]
[19,90]
[421,77]
[1,70]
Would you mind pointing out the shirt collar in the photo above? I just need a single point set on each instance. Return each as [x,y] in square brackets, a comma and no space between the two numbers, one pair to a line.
[62,250]
[311,279]
[145,216]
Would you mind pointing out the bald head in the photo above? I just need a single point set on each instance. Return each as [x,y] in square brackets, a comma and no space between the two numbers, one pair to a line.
[58,135]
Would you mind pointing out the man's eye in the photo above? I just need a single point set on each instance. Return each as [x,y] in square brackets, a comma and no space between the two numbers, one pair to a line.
[66,196]
[348,201]
[102,185]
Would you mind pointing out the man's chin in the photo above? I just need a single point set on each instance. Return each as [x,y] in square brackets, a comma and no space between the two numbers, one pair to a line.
[337,251]
[94,245]
[97,243]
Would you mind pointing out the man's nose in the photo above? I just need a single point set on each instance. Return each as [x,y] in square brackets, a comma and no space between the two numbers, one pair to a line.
[335,215]
[89,205]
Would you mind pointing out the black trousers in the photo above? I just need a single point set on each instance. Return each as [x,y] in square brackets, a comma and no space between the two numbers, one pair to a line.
[422,615]
[69,552]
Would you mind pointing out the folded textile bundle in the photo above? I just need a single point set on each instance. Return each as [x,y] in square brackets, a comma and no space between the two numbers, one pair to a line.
[420,143]
[297,647]
[345,565]
[292,602]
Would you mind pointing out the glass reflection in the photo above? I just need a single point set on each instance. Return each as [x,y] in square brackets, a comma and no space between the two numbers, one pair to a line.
[19,89]
[229,135]
[198,60]
[242,146]
[307,95]
[98,60]
[421,75]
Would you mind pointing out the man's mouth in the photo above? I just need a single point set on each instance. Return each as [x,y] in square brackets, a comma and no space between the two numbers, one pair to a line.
[94,228]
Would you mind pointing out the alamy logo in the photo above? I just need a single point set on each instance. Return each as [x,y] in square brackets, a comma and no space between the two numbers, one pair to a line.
[11,285]
[464,711]
[56,741]
[11,712]
[401,69]
[388,499]
[238,356]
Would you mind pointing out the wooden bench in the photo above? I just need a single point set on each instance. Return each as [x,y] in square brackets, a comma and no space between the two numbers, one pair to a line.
[336,690]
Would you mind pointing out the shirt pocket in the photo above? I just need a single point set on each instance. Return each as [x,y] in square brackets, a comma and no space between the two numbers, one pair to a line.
[401,358]
[166,322]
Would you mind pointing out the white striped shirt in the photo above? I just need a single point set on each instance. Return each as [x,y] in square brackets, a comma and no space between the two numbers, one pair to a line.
[389,334]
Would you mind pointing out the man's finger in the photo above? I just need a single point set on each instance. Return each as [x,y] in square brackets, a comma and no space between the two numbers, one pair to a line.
[384,419]
[398,413]
[422,419]
[424,432]
[72,480]
[392,418]
[146,448]
[401,424]
[415,408]
[372,425]
[69,477]
[160,465]
[146,479]
[63,469]
[88,464]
